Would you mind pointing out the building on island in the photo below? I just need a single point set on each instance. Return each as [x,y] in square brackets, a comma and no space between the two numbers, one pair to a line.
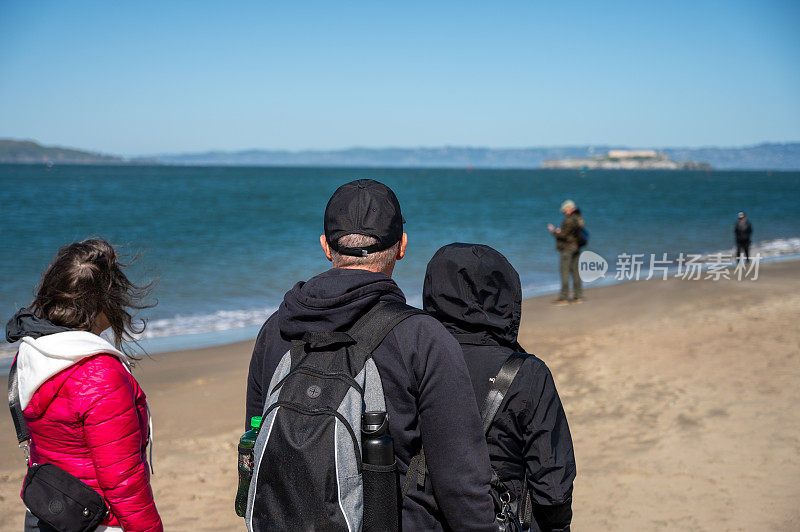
[632,154]
[626,160]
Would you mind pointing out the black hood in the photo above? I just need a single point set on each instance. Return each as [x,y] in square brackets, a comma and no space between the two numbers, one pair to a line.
[333,300]
[476,293]
[25,323]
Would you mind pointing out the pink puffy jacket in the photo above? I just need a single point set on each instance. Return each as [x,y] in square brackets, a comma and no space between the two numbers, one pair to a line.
[91,420]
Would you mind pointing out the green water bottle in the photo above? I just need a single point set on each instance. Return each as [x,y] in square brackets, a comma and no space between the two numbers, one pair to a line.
[246,462]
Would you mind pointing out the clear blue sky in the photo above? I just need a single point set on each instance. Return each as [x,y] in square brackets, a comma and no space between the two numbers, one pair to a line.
[152,77]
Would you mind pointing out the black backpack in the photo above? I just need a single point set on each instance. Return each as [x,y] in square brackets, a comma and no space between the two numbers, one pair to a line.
[308,465]
[583,237]
[512,515]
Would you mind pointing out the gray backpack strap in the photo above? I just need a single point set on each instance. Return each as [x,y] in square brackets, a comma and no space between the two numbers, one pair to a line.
[369,332]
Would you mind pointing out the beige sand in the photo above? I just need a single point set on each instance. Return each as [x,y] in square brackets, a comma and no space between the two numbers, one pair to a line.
[683,398]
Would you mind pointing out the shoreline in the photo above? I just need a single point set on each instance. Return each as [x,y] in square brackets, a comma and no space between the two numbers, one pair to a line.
[681,396]
[221,338]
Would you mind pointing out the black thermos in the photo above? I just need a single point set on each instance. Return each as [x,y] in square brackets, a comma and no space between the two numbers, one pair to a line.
[381,485]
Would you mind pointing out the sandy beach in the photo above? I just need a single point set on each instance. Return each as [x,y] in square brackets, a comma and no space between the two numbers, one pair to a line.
[682,398]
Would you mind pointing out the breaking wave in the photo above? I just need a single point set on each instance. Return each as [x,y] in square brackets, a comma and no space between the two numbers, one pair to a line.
[187,324]
[768,249]
[227,320]
[221,320]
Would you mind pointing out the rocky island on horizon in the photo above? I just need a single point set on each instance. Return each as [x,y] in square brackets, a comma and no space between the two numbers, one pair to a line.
[625,160]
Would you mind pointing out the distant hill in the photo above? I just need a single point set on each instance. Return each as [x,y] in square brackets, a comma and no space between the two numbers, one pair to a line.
[760,157]
[29,152]
[447,156]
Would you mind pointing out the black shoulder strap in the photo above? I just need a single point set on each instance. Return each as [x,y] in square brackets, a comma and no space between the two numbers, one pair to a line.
[508,371]
[372,328]
[367,333]
[13,404]
[415,473]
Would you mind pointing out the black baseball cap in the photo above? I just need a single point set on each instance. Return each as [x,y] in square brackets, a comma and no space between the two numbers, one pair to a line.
[363,207]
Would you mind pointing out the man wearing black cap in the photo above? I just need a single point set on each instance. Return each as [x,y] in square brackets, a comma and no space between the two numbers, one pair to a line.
[427,388]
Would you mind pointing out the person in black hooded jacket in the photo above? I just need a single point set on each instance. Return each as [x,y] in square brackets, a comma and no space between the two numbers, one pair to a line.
[426,384]
[476,293]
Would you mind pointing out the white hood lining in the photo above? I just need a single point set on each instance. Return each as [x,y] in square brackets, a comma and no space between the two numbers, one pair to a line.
[41,358]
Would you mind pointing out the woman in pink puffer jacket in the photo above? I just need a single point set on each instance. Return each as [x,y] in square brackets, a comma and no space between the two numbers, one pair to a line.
[84,410]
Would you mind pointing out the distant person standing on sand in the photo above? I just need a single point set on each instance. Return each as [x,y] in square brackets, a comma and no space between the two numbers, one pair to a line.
[742,230]
[568,245]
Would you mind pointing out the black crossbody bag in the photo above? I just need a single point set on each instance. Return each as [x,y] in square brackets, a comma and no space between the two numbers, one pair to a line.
[512,515]
[57,498]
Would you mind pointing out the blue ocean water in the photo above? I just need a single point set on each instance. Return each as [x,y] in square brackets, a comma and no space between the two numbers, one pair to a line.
[225,243]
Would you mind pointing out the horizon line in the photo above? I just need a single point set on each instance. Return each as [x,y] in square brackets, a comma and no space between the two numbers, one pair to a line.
[418,147]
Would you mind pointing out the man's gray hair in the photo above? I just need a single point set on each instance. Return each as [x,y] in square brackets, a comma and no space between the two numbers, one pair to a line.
[380,260]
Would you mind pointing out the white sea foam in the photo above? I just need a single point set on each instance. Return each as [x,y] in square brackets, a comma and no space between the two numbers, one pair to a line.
[777,247]
[221,320]
[186,324]
[225,320]
[767,248]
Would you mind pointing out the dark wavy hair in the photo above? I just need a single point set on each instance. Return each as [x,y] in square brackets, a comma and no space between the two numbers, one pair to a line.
[86,279]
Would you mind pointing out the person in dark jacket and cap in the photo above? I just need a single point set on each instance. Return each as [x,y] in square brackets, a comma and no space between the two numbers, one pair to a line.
[743,231]
[425,381]
[476,294]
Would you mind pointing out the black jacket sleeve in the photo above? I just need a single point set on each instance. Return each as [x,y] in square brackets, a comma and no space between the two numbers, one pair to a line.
[451,430]
[256,393]
[549,455]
